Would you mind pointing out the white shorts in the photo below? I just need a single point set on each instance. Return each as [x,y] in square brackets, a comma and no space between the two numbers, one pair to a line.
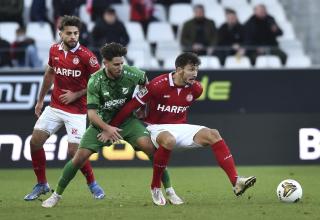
[183,133]
[52,119]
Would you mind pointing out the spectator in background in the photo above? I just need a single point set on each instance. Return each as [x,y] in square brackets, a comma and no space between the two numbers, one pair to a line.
[5,60]
[142,11]
[24,51]
[12,10]
[66,7]
[199,34]
[97,7]
[261,31]
[230,36]
[39,12]
[109,29]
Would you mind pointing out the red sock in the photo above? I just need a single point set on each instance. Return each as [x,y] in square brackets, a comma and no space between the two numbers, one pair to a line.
[39,165]
[225,160]
[88,172]
[160,161]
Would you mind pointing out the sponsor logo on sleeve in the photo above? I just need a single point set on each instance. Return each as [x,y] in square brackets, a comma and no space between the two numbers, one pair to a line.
[142,92]
[93,61]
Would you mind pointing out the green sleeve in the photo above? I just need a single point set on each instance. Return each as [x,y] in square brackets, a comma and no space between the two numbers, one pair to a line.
[93,94]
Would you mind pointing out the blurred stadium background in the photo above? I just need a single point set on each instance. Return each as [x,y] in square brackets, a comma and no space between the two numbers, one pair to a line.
[268,105]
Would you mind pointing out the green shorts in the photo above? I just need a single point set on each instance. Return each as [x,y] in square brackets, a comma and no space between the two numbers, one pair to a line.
[132,129]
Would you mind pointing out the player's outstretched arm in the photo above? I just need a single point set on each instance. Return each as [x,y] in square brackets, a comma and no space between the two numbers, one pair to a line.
[109,133]
[46,85]
[125,112]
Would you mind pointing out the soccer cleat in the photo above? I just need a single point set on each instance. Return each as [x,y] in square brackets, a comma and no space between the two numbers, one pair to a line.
[40,188]
[173,198]
[51,201]
[242,184]
[157,197]
[96,190]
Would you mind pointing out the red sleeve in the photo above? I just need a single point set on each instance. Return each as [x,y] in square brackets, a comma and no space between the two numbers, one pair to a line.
[93,64]
[142,97]
[125,112]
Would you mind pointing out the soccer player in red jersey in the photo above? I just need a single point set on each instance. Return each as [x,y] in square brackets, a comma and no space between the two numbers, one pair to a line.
[69,68]
[168,97]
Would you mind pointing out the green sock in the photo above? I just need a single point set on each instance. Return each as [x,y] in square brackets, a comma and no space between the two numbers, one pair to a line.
[69,171]
[165,179]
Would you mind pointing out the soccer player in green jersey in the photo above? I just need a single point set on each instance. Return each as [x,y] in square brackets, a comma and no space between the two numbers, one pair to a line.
[108,90]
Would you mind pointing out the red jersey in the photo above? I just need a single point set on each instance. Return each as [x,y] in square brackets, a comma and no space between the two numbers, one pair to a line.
[72,69]
[168,103]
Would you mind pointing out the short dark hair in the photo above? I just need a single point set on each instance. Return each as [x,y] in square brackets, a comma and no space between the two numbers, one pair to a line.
[109,10]
[111,50]
[230,11]
[68,20]
[187,58]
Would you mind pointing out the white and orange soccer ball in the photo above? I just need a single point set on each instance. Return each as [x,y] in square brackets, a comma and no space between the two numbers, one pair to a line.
[289,191]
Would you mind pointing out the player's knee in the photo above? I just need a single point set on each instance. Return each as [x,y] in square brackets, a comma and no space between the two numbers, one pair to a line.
[209,136]
[214,136]
[72,149]
[167,141]
[36,143]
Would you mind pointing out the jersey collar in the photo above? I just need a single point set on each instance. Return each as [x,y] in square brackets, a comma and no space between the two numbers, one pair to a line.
[171,83]
[171,79]
[72,50]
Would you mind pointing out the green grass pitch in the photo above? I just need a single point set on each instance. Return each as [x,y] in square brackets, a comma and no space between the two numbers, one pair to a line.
[206,191]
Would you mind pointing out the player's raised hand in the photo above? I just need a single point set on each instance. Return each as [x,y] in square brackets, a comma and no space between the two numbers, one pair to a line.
[111,134]
[38,108]
[68,96]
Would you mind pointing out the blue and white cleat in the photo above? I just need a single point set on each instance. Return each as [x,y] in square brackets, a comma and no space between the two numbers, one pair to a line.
[96,190]
[40,188]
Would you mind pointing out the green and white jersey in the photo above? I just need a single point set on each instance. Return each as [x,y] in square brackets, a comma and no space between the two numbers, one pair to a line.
[109,95]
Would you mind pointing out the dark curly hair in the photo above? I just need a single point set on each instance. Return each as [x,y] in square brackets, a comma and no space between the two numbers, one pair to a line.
[187,58]
[111,50]
[68,20]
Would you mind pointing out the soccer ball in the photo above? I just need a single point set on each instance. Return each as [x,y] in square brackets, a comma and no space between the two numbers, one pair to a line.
[289,191]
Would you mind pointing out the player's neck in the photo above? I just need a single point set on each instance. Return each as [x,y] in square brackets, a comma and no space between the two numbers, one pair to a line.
[177,80]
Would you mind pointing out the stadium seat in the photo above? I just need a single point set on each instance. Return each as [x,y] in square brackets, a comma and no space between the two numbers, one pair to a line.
[232,3]
[135,31]
[291,47]
[8,30]
[167,49]
[160,12]
[299,61]
[265,2]
[234,62]
[244,12]
[42,34]
[40,31]
[278,12]
[268,61]
[122,11]
[209,62]
[288,31]
[203,2]
[180,13]
[84,15]
[159,31]
[139,49]
[169,63]
[149,64]
[216,13]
